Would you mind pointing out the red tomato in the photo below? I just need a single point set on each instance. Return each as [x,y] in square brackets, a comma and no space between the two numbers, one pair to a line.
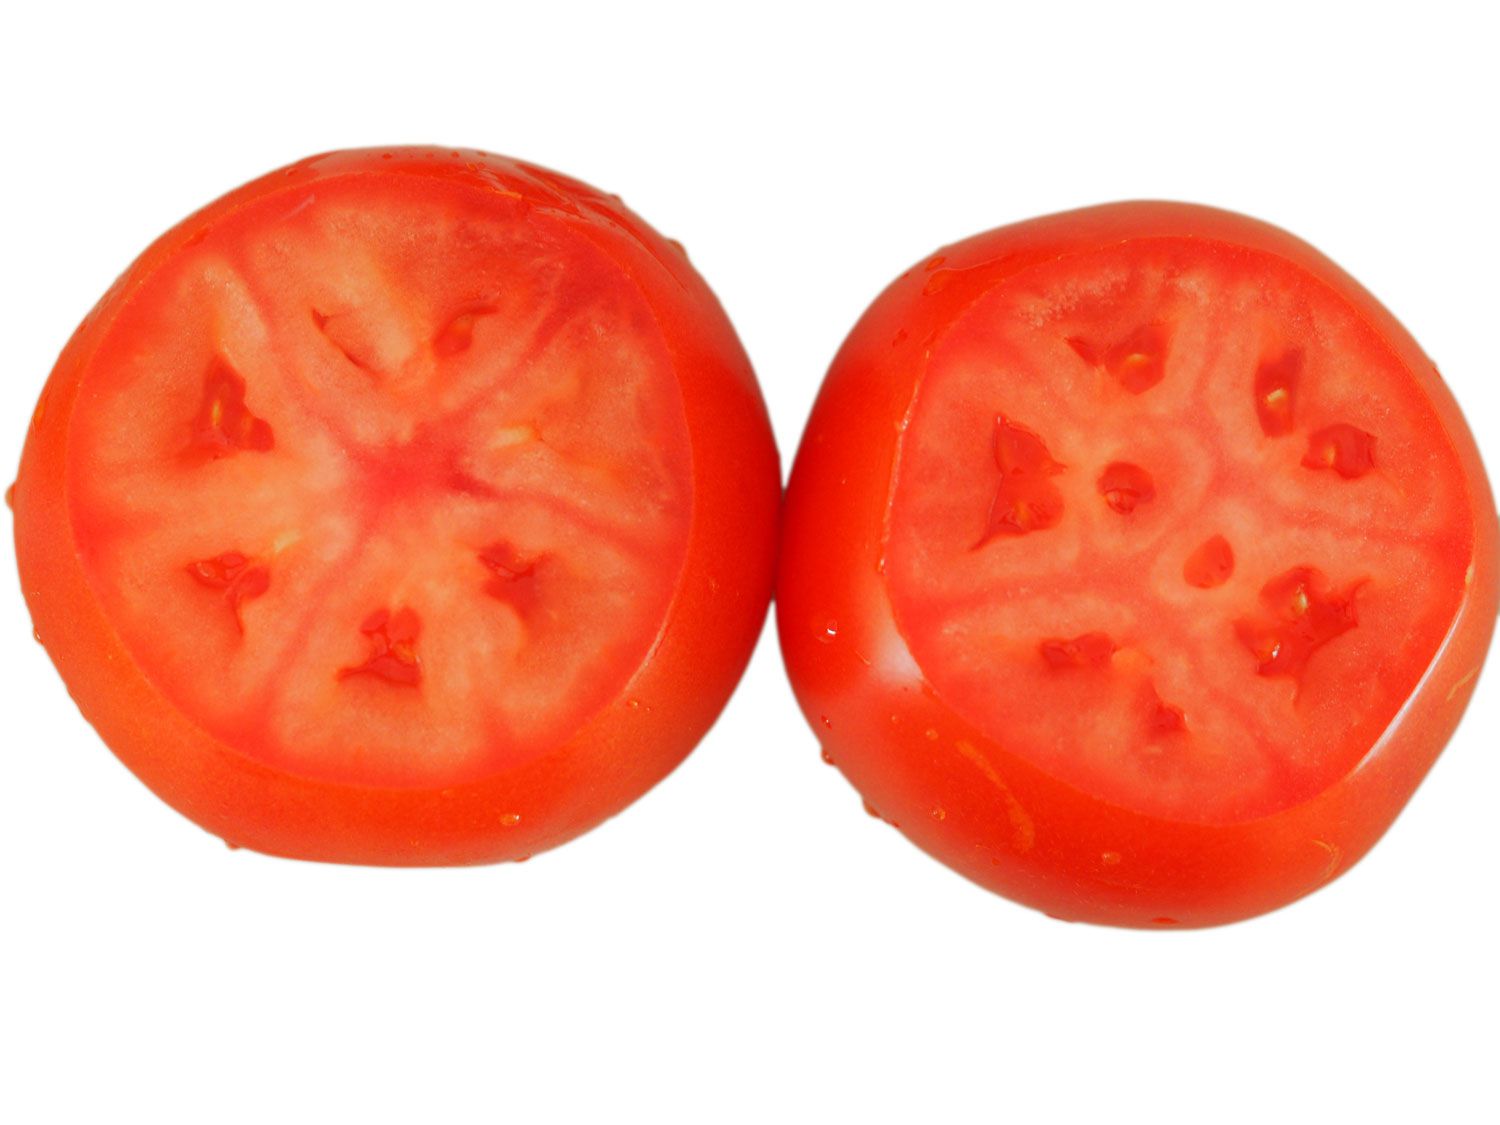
[1136,564]
[402,507]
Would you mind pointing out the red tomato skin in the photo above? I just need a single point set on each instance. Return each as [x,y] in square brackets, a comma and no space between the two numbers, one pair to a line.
[1021,832]
[699,655]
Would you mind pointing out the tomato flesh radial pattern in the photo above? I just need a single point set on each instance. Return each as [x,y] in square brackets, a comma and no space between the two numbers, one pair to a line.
[384,487]
[1231,550]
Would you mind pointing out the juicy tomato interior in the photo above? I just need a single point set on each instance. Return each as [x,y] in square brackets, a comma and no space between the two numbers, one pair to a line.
[384,484]
[1174,524]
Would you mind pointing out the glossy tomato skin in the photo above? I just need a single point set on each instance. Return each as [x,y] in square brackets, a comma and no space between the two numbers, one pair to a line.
[673,697]
[955,790]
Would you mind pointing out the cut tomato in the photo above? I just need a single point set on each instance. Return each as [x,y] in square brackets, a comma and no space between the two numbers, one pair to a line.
[1152,532]
[396,484]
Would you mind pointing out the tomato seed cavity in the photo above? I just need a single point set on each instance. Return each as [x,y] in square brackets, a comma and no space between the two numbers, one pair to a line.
[1210,565]
[1125,486]
[1347,450]
[239,576]
[458,333]
[1137,363]
[1302,614]
[512,576]
[393,655]
[1091,650]
[1276,392]
[224,424]
[1026,500]
[345,347]
[1165,718]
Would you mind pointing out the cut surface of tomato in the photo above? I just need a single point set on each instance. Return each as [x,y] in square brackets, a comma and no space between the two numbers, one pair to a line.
[386,473]
[445,452]
[1136,563]
[1349,551]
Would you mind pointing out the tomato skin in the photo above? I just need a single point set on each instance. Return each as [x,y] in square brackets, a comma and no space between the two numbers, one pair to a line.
[701,650]
[955,790]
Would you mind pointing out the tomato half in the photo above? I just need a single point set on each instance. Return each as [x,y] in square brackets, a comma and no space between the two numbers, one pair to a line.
[1137,564]
[401,507]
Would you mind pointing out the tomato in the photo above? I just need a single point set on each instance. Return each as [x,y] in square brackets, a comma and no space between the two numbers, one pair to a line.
[401,507]
[1136,563]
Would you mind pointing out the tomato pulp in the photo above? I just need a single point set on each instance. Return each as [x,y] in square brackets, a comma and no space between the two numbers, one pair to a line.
[406,506]
[1136,563]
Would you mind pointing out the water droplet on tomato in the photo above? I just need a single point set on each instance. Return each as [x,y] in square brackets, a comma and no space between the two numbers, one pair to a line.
[939,813]
[939,281]
[827,722]
[1109,859]
[826,756]
[10,497]
[872,811]
[827,631]
[931,734]
[510,820]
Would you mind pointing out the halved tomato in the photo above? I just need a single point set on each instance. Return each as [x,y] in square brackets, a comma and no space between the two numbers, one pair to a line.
[1137,564]
[405,506]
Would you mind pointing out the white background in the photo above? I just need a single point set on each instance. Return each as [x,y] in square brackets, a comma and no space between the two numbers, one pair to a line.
[743,944]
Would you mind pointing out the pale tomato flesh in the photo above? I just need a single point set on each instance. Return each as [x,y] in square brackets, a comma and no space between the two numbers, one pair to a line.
[1174,523]
[382,486]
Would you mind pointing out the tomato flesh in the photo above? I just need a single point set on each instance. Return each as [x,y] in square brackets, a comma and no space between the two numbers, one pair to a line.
[1090,446]
[385,489]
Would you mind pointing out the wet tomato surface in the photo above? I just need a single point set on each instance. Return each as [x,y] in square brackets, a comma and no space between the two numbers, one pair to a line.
[1137,564]
[403,506]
